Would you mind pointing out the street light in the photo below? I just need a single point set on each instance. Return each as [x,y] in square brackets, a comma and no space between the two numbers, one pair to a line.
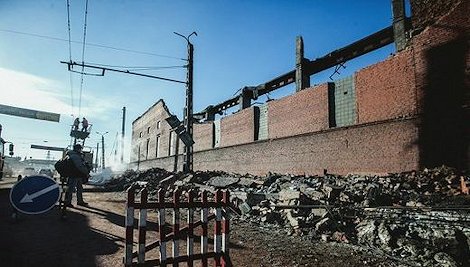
[102,149]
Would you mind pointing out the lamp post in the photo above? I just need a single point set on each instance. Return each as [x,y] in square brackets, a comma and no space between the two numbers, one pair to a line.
[102,149]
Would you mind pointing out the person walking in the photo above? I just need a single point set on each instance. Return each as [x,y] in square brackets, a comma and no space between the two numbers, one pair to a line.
[80,171]
[84,124]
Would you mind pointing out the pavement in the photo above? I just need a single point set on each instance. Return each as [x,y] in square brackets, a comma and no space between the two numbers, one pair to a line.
[89,236]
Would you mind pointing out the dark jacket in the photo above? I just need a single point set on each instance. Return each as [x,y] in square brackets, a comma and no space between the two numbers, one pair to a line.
[79,163]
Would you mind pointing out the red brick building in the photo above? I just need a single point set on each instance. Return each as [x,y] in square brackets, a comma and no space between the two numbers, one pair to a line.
[407,112]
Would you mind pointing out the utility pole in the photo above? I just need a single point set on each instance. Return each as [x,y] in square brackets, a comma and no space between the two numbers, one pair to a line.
[122,133]
[102,152]
[188,111]
[102,149]
[96,158]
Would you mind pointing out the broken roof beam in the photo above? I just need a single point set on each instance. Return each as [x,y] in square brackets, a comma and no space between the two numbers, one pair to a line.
[365,45]
[356,49]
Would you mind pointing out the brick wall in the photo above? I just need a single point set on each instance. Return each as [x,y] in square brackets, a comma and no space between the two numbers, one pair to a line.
[427,12]
[386,90]
[449,30]
[376,148]
[203,135]
[442,56]
[167,163]
[303,112]
[410,115]
[237,128]
[147,125]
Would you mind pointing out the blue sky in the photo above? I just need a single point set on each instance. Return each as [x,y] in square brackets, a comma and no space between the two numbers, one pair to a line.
[239,43]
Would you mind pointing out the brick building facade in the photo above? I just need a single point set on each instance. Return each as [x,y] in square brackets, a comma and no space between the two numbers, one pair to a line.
[407,112]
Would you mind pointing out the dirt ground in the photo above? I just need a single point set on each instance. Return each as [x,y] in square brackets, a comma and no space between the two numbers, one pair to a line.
[94,236]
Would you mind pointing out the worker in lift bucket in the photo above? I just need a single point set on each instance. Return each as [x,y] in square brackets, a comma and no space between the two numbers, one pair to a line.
[76,122]
[84,124]
[80,174]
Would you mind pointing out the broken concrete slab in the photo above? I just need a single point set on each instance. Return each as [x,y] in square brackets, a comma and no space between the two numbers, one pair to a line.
[323,224]
[247,182]
[244,208]
[223,182]
[169,180]
[384,235]
[287,194]
[204,187]
[312,193]
[240,195]
[319,212]
[255,198]
[445,260]
[294,222]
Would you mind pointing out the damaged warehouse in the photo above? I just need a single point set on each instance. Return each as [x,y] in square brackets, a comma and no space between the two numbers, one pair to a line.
[405,113]
[349,150]
[296,166]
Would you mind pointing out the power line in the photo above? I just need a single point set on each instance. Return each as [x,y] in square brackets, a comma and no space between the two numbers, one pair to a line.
[83,59]
[68,24]
[70,53]
[103,69]
[138,67]
[91,44]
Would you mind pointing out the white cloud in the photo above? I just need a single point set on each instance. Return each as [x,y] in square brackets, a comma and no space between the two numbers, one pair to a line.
[25,90]
[29,91]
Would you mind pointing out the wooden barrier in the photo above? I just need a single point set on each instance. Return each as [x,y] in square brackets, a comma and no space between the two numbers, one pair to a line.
[195,200]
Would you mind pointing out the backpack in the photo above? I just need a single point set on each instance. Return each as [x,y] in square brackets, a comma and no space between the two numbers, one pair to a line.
[66,168]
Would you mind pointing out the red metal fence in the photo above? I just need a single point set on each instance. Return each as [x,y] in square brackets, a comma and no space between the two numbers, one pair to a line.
[195,201]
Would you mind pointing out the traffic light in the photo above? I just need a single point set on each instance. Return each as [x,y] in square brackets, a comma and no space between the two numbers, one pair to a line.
[11,149]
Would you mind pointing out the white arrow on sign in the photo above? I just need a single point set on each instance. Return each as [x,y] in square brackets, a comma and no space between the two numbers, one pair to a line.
[29,198]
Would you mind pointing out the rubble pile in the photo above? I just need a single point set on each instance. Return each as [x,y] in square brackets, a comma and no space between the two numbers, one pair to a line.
[421,217]
[155,177]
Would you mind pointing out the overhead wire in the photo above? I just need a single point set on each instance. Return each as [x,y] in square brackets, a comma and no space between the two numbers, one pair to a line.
[83,59]
[137,67]
[70,54]
[91,44]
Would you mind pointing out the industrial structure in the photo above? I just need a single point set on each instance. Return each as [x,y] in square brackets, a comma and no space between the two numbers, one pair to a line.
[407,112]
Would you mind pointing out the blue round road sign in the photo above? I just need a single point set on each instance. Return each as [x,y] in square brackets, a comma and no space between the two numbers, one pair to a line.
[34,194]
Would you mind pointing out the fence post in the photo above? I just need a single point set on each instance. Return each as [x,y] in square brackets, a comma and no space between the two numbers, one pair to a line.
[226,230]
[204,221]
[217,228]
[142,225]
[161,226]
[129,225]
[176,226]
[190,237]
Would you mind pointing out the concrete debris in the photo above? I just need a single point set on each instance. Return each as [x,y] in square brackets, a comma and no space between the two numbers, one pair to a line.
[445,260]
[384,235]
[223,182]
[293,221]
[244,208]
[420,217]
[287,194]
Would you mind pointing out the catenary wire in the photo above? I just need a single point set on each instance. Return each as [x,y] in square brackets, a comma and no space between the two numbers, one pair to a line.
[70,55]
[137,67]
[90,44]
[83,59]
